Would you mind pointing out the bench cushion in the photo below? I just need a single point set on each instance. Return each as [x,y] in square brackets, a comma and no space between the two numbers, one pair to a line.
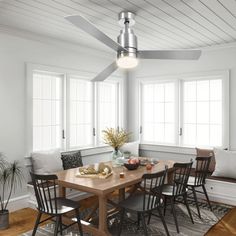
[207,153]
[46,162]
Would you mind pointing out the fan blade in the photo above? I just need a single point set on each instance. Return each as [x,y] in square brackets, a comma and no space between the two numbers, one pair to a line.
[170,54]
[106,72]
[89,28]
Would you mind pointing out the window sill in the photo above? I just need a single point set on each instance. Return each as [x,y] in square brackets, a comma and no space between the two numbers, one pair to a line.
[89,151]
[168,149]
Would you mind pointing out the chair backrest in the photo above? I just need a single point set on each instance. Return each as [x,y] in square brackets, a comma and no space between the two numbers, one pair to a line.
[201,170]
[152,185]
[45,192]
[181,175]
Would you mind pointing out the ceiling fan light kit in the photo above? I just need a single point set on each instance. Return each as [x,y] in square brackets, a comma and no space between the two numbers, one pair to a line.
[126,46]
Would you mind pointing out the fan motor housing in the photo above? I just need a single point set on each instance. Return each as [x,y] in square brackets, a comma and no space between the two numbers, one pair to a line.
[127,38]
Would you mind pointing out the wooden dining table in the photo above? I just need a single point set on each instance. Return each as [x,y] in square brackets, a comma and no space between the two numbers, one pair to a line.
[102,188]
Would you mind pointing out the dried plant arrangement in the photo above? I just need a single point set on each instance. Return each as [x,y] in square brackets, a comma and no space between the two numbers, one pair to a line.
[115,138]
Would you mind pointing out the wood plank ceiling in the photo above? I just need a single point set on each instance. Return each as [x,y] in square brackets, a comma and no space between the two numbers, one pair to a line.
[160,24]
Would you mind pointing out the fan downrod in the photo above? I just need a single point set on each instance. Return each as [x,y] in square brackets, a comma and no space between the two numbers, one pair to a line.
[126,17]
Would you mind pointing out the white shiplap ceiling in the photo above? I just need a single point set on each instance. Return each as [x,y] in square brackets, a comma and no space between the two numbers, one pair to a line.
[160,24]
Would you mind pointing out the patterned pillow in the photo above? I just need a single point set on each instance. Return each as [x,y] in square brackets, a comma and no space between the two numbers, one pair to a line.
[71,160]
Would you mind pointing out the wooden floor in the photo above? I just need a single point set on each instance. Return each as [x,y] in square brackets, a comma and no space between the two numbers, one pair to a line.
[20,222]
[23,220]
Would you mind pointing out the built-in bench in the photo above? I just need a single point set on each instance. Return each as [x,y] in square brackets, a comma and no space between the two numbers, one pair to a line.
[220,189]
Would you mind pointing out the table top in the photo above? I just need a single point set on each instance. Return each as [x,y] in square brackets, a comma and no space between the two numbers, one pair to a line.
[68,179]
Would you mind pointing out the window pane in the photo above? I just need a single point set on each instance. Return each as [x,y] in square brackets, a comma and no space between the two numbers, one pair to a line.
[203,90]
[189,134]
[190,114]
[190,91]
[158,112]
[216,90]
[81,113]
[202,110]
[47,111]
[107,107]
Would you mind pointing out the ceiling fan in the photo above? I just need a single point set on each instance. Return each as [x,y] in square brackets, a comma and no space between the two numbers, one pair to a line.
[126,47]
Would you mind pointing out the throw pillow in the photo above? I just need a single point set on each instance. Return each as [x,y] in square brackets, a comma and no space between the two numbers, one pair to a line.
[207,153]
[225,163]
[71,160]
[46,162]
[132,147]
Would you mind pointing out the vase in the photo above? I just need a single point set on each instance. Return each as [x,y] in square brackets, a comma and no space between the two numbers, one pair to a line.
[4,219]
[116,154]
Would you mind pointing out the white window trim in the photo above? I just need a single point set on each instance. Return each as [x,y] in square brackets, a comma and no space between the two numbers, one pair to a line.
[66,72]
[225,74]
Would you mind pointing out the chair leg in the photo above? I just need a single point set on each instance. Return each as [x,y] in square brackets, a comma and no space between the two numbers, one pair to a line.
[36,223]
[56,225]
[174,214]
[60,224]
[122,214]
[149,218]
[165,201]
[196,202]
[144,225]
[79,222]
[187,206]
[163,221]
[204,189]
[138,219]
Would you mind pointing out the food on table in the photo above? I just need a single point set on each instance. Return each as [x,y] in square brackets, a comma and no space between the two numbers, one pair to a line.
[149,166]
[91,170]
[133,161]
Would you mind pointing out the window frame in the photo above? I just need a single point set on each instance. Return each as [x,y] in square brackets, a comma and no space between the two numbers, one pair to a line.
[67,73]
[224,74]
[96,103]
[176,102]
[62,77]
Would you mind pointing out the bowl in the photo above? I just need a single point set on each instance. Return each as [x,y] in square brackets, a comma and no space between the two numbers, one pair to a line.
[132,166]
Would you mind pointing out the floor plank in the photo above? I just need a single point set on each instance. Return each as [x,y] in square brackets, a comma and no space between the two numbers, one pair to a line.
[21,221]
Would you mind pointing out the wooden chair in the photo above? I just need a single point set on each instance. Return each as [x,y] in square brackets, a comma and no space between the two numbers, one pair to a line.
[50,204]
[199,180]
[178,189]
[145,201]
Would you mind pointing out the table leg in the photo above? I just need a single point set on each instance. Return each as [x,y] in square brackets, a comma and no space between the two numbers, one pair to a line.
[170,177]
[121,194]
[62,191]
[103,216]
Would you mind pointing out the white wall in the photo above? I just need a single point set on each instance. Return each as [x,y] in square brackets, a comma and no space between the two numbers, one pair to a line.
[218,59]
[14,53]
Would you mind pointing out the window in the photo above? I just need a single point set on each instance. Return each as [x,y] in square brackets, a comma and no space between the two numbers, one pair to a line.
[81,113]
[107,94]
[159,116]
[47,111]
[202,112]
[69,111]
[187,111]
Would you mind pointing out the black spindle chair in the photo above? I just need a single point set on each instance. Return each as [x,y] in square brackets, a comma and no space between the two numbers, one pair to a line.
[199,180]
[145,201]
[50,204]
[178,189]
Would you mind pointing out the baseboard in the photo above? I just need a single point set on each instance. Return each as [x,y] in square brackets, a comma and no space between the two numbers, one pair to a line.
[18,203]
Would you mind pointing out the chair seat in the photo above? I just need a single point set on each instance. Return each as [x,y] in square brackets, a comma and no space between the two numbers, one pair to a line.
[168,190]
[64,205]
[191,181]
[135,203]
